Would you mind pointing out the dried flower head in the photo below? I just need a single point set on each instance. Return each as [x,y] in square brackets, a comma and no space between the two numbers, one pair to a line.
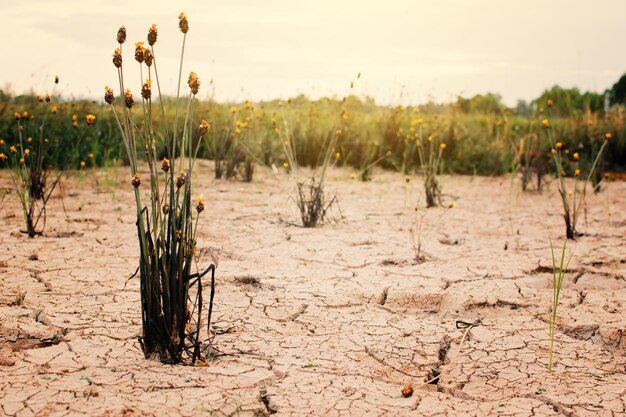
[128,98]
[181,179]
[56,79]
[90,119]
[183,23]
[200,205]
[194,82]
[108,95]
[148,57]
[48,98]
[146,90]
[121,35]
[139,52]
[165,164]
[136,181]
[152,34]
[203,128]
[117,58]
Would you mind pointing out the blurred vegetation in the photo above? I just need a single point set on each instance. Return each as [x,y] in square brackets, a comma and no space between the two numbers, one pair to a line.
[482,136]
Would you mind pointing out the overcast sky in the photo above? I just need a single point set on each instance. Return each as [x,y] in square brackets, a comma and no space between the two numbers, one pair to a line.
[407,50]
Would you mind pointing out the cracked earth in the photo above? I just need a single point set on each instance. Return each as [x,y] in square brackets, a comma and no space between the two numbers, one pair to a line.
[335,320]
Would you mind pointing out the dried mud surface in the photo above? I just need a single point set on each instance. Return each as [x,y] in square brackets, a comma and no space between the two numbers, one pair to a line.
[328,321]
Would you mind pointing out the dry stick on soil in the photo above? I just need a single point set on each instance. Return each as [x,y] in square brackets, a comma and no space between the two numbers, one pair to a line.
[417,244]
[409,388]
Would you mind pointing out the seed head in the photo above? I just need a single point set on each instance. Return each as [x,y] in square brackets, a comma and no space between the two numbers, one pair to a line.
[194,82]
[139,52]
[121,35]
[148,57]
[182,178]
[48,98]
[165,164]
[108,95]
[203,128]
[152,35]
[56,79]
[90,119]
[128,98]
[183,23]
[136,181]
[117,58]
[146,91]
[200,205]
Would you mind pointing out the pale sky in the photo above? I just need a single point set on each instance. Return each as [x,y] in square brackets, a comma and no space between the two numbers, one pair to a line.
[408,51]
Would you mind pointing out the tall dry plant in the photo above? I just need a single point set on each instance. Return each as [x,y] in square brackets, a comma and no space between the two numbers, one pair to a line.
[568,162]
[28,160]
[172,302]
[311,200]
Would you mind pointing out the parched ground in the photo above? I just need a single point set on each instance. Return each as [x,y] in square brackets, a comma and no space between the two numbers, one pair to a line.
[334,320]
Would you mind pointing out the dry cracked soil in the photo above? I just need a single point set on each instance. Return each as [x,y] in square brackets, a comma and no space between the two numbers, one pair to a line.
[334,320]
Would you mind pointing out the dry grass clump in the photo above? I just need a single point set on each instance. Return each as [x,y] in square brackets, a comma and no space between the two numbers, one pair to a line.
[172,303]
[570,162]
[27,156]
